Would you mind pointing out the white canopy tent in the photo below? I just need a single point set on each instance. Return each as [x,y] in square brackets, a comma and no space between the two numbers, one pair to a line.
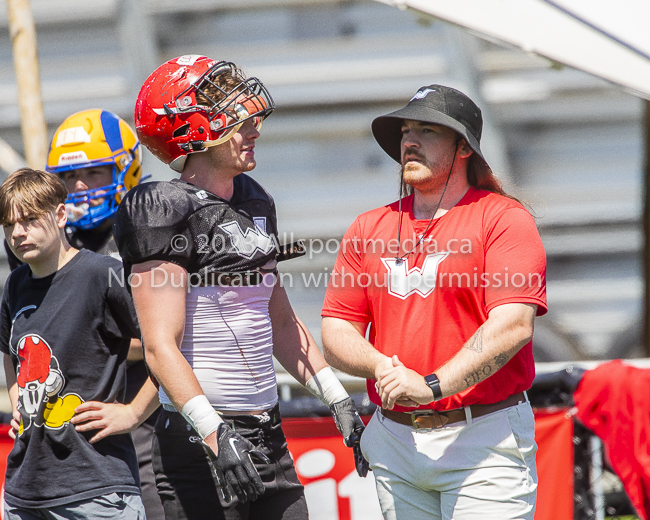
[608,39]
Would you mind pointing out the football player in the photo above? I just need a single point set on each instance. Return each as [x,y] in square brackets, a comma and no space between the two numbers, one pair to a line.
[202,256]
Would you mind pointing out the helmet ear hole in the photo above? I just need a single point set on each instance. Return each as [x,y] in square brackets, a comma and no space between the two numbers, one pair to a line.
[182,130]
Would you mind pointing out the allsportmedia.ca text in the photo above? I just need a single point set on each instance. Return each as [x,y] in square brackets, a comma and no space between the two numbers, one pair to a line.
[413,244]
[317,246]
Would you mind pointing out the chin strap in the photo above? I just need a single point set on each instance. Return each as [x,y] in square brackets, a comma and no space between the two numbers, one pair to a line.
[227,136]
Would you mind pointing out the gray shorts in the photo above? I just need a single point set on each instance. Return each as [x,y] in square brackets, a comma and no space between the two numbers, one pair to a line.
[126,506]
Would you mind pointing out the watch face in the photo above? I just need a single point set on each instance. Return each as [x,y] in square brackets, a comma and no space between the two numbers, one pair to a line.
[431,379]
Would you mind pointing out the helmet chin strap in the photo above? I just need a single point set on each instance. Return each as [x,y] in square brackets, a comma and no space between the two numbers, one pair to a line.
[224,138]
[178,164]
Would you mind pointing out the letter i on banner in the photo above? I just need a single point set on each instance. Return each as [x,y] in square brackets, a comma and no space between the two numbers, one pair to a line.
[333,489]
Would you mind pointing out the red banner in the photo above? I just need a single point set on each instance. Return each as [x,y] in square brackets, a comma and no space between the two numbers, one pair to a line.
[554,436]
[325,466]
[6,444]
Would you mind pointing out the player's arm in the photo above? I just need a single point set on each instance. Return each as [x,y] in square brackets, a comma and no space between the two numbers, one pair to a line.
[12,389]
[159,290]
[295,349]
[293,345]
[116,418]
[508,328]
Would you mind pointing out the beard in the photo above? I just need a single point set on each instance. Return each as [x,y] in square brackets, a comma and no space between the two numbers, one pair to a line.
[420,177]
[416,173]
[424,176]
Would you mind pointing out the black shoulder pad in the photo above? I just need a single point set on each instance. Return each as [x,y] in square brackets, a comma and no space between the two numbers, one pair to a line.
[151,224]
[247,188]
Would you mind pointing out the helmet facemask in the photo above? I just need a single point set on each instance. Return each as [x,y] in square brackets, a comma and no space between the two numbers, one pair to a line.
[226,102]
[82,213]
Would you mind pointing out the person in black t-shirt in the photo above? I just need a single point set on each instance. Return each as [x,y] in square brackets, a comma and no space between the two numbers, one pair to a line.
[99,158]
[65,329]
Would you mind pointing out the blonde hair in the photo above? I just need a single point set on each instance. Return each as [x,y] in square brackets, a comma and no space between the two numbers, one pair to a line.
[30,193]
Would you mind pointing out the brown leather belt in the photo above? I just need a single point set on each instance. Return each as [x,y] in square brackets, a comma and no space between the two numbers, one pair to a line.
[429,419]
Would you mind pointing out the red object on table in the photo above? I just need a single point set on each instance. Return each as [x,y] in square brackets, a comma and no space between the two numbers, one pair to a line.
[613,401]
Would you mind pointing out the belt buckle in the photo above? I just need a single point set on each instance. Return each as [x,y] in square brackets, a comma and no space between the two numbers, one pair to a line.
[419,413]
[437,420]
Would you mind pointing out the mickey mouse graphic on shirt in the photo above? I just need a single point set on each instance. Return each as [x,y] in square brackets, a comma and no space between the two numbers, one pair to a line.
[39,383]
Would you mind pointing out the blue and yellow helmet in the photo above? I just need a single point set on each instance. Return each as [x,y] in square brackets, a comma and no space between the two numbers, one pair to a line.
[96,138]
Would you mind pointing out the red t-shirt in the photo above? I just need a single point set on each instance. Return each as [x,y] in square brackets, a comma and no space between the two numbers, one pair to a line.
[482,253]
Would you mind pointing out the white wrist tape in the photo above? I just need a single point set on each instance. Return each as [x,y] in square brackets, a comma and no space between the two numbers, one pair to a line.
[199,413]
[327,387]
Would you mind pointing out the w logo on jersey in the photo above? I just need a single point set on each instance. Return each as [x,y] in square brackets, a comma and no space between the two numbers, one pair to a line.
[253,240]
[403,282]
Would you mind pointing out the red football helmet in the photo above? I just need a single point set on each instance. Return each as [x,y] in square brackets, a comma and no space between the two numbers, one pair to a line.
[172,123]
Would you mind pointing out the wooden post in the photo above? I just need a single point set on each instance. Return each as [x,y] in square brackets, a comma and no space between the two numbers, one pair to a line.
[646,229]
[28,82]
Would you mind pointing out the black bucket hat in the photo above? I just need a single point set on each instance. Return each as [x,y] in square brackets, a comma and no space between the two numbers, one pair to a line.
[432,104]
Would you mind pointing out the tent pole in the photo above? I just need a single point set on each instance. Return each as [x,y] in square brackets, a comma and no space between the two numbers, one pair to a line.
[646,228]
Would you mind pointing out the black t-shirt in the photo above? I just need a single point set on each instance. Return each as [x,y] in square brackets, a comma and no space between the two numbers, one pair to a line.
[68,335]
[181,223]
[101,242]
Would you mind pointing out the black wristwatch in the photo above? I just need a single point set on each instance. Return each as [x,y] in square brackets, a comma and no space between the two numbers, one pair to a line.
[433,382]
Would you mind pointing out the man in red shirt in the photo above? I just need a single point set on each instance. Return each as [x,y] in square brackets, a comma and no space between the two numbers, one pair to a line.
[449,279]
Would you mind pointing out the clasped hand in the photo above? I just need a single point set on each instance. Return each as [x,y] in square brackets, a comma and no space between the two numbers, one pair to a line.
[398,385]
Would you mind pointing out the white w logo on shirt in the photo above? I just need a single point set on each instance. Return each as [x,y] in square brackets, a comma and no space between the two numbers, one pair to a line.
[403,283]
[247,244]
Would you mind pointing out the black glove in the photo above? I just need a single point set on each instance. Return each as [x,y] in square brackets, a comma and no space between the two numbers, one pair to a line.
[351,427]
[233,467]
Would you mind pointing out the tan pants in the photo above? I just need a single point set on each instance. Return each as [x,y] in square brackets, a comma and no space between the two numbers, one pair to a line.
[475,469]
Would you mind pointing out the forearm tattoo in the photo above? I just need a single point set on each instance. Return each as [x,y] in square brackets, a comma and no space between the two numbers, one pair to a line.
[478,376]
[486,371]
[475,343]
[501,359]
